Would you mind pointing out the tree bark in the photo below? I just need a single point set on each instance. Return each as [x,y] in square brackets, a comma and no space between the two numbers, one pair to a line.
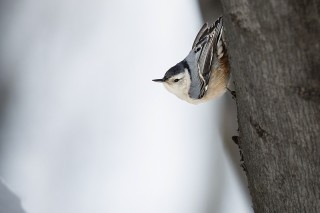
[274,50]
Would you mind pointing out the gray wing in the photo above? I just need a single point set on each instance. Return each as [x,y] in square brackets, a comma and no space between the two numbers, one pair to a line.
[203,57]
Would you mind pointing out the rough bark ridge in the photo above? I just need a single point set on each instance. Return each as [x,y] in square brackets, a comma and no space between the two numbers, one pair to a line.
[274,49]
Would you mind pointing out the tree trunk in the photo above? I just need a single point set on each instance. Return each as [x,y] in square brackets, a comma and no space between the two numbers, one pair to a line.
[274,50]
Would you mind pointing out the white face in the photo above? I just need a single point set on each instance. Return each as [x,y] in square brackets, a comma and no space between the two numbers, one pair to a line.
[179,84]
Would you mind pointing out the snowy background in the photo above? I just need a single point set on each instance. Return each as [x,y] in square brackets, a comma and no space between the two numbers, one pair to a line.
[83,127]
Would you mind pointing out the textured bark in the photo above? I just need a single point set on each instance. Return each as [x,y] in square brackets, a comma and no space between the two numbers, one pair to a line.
[274,49]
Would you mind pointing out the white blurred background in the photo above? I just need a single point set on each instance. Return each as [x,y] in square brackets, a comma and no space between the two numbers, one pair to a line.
[85,130]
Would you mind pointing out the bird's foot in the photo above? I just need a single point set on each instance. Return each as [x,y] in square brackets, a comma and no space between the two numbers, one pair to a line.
[233,93]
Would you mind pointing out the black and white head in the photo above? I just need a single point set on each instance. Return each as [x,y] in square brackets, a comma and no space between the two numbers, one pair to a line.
[177,80]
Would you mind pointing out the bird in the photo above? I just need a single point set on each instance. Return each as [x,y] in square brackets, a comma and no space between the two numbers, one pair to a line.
[204,74]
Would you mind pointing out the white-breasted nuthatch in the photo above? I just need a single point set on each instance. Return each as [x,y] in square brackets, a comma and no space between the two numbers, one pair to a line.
[204,73]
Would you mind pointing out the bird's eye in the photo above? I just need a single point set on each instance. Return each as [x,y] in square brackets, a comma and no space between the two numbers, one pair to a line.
[176,80]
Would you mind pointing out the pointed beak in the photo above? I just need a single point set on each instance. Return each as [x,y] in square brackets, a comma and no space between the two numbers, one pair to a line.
[158,80]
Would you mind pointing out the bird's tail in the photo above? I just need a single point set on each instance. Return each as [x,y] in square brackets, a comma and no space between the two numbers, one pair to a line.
[217,30]
[218,37]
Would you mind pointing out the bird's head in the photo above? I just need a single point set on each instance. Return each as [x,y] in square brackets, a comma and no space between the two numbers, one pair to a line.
[177,80]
